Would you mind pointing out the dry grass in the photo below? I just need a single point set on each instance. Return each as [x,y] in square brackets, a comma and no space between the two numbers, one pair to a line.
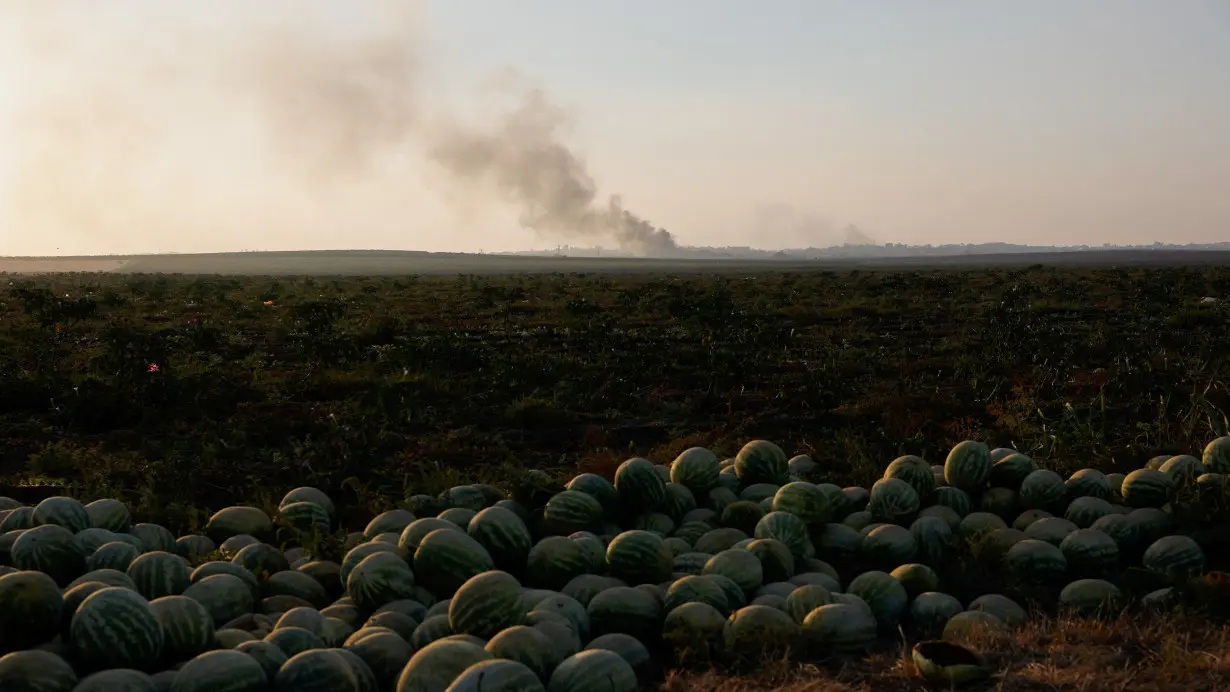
[1127,654]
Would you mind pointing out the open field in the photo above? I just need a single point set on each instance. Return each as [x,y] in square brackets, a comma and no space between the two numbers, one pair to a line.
[376,388]
[388,263]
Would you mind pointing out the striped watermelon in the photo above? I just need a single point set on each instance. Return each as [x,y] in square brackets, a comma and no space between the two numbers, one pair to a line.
[802,600]
[931,610]
[914,471]
[1182,470]
[1216,458]
[761,461]
[693,627]
[187,628]
[556,560]
[1010,470]
[475,497]
[641,488]
[383,651]
[380,578]
[110,577]
[305,518]
[437,665]
[1033,561]
[35,670]
[231,546]
[977,524]
[109,514]
[1174,558]
[30,610]
[117,680]
[116,555]
[224,596]
[1084,511]
[49,548]
[759,492]
[679,502]
[319,669]
[696,589]
[261,559]
[1003,608]
[62,511]
[884,594]
[916,578]
[525,645]
[157,574]
[594,669]
[153,537]
[417,530]
[224,671]
[889,546]
[194,547]
[92,539]
[840,627]
[626,610]
[804,500]
[968,466]
[639,557]
[756,629]
[599,488]
[738,565]
[446,558]
[776,561]
[486,604]
[496,674]
[1146,488]
[803,468]
[696,469]
[1088,483]
[784,527]
[955,499]
[461,516]
[392,521]
[308,494]
[1052,530]
[571,511]
[238,521]
[933,539]
[504,535]
[295,640]
[116,628]
[309,619]
[1042,489]
[1090,553]
[973,625]
[1091,597]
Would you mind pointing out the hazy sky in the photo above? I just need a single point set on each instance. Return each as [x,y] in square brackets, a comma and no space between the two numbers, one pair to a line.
[157,125]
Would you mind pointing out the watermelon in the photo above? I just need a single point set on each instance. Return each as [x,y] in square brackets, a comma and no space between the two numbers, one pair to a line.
[593,669]
[802,600]
[92,539]
[933,539]
[116,628]
[931,610]
[914,471]
[392,521]
[1010,470]
[446,558]
[776,561]
[35,670]
[1084,511]
[968,466]
[1216,457]
[802,467]
[187,628]
[1174,557]
[1090,553]
[680,501]
[955,499]
[640,486]
[761,461]
[696,469]
[840,627]
[598,488]
[1087,483]
[639,557]
[1052,530]
[261,559]
[194,547]
[1003,608]
[755,629]
[117,680]
[759,492]
[571,511]
[946,515]
[49,548]
[978,524]
[62,511]
[886,597]
[784,527]
[1042,489]
[306,518]
[109,514]
[504,535]
[319,669]
[30,610]
[309,619]
[889,546]
[1091,597]
[224,596]
[233,671]
[157,574]
[626,610]
[916,578]
[474,497]
[497,674]
[693,627]
[295,640]
[738,565]
[556,560]
[630,649]
[893,500]
[231,546]
[1182,470]
[654,522]
[308,494]
[486,604]
[380,578]
[804,500]
[1033,561]
[437,665]
[696,589]
[1146,488]
[973,625]
[238,521]
[153,537]
[1029,516]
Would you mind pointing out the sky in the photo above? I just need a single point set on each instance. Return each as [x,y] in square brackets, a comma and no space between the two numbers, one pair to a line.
[152,126]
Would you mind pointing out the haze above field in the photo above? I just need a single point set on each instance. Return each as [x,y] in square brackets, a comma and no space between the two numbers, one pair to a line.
[138,126]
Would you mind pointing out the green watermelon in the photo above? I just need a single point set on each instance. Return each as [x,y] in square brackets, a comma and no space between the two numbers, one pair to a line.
[804,500]
[1090,553]
[380,578]
[840,627]
[1216,457]
[914,471]
[571,511]
[738,565]
[885,595]
[889,546]
[485,604]
[641,488]
[755,629]
[225,670]
[187,628]
[694,627]
[955,499]
[1146,488]
[35,670]
[437,665]
[625,610]
[1042,489]
[391,521]
[504,535]
[1033,561]
[446,558]
[1010,470]
[761,461]
[497,674]
[916,578]
[153,537]
[598,488]
[30,610]
[556,560]
[931,610]
[116,628]
[62,511]
[1052,530]
[1091,597]
[238,521]
[109,514]
[49,548]
[157,574]
[784,527]
[968,466]
[224,596]
[306,518]
[1174,557]
[307,494]
[639,557]
[1088,483]
[1084,511]
[696,469]
[1003,608]
[593,669]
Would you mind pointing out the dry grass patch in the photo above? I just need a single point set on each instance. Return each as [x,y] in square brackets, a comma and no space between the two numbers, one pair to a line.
[1127,654]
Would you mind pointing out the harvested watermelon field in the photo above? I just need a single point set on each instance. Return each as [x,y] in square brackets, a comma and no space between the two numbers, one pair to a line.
[1057,439]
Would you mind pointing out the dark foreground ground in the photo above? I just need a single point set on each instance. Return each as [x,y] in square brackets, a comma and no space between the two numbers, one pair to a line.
[181,395]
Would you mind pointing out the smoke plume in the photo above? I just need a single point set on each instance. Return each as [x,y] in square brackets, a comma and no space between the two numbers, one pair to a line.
[235,118]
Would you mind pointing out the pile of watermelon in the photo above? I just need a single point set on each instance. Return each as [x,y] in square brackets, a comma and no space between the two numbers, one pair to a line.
[596,584]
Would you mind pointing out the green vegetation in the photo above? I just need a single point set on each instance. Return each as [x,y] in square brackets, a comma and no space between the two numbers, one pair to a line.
[373,389]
